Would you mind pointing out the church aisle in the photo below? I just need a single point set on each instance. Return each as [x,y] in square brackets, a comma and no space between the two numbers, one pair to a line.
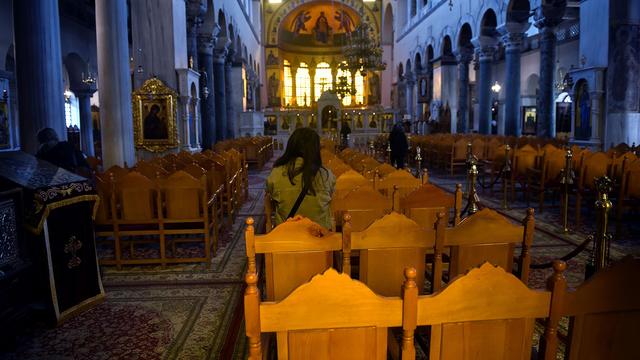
[187,311]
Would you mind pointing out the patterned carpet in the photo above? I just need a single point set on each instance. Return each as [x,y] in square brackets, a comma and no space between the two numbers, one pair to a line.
[194,311]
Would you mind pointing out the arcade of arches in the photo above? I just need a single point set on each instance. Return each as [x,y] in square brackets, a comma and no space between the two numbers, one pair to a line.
[156,88]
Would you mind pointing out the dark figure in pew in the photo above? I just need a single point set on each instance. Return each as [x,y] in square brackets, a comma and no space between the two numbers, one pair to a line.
[399,146]
[344,134]
[61,153]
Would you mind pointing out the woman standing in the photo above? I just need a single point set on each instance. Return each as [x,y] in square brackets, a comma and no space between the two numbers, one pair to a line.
[298,178]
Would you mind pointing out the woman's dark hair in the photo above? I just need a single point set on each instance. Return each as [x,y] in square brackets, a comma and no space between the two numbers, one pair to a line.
[303,143]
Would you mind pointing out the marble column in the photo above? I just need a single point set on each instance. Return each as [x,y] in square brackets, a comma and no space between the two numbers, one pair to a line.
[484,88]
[38,70]
[294,86]
[229,89]
[207,103]
[546,120]
[464,58]
[312,75]
[86,123]
[512,42]
[219,60]
[115,83]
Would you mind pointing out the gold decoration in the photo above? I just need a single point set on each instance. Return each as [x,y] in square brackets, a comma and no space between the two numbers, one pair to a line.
[154,116]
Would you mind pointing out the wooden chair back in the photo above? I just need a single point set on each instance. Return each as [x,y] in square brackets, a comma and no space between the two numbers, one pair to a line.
[594,166]
[485,314]
[350,180]
[184,196]
[489,236]
[478,148]
[364,198]
[137,197]
[554,161]
[295,244]
[384,254]
[459,149]
[524,158]
[429,197]
[331,317]
[604,313]
[397,184]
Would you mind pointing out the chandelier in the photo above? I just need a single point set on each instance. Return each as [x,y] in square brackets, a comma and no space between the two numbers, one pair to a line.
[343,87]
[362,52]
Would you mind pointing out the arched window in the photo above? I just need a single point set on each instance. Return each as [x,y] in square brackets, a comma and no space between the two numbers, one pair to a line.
[359,88]
[322,80]
[346,101]
[303,85]
[71,109]
[288,83]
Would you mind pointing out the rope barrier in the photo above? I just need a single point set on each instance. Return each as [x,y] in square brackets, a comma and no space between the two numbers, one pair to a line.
[573,253]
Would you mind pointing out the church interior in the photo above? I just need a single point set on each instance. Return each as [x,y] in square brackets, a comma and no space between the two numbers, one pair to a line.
[138,145]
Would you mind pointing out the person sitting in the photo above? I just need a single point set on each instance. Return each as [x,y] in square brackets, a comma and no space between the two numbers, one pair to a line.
[399,146]
[298,178]
[61,153]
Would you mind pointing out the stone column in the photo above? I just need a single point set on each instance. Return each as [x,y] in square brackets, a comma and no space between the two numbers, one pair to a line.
[207,103]
[38,70]
[410,81]
[546,120]
[86,123]
[312,75]
[229,85]
[219,60]
[512,122]
[464,58]
[115,83]
[484,88]
[195,10]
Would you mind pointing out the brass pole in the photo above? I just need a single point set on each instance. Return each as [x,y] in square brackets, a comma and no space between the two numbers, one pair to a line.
[469,161]
[371,149]
[506,170]
[566,180]
[418,161]
[389,152]
[602,238]
[473,196]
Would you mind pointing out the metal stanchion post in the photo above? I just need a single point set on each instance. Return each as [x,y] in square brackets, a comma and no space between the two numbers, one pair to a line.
[473,195]
[418,162]
[506,171]
[389,152]
[602,238]
[372,149]
[566,180]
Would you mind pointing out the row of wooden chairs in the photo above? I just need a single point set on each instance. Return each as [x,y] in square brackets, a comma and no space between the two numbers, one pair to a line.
[139,204]
[383,253]
[257,150]
[484,314]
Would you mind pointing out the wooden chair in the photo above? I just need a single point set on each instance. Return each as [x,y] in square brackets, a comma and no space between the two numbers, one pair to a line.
[371,204]
[524,159]
[331,317]
[457,154]
[348,181]
[295,244]
[604,313]
[384,254]
[135,208]
[546,176]
[485,314]
[418,204]
[397,184]
[187,213]
[629,190]
[594,166]
[487,236]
